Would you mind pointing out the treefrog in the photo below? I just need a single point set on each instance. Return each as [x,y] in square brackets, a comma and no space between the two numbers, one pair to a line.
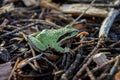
[49,37]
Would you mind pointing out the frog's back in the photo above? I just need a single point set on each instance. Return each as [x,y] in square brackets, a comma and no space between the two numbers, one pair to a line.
[45,36]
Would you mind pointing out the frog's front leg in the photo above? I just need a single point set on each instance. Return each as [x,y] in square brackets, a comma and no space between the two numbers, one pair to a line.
[57,47]
[73,34]
[36,44]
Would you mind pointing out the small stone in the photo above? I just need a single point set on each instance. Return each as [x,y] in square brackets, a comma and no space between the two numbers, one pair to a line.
[100,58]
[4,54]
[31,2]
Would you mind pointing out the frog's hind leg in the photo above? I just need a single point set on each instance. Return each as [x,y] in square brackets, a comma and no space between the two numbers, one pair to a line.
[36,44]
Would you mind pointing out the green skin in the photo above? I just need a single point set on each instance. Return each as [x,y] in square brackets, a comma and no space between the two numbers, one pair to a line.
[49,37]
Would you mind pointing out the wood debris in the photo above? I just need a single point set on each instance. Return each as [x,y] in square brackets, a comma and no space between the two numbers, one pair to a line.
[76,9]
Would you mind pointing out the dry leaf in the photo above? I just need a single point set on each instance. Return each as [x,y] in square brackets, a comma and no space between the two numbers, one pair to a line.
[84,33]
[18,65]
[6,8]
[117,76]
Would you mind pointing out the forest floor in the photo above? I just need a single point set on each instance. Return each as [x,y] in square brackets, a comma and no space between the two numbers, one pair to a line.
[59,40]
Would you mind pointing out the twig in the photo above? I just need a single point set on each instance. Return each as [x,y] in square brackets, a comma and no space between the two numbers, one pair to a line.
[64,60]
[83,12]
[106,6]
[85,42]
[9,78]
[113,69]
[68,60]
[31,59]
[107,23]
[87,60]
[33,53]
[68,73]
[36,22]
[41,22]
[57,73]
[102,76]
[114,44]
[103,65]
[6,8]
[81,46]
[50,63]
[25,52]
[17,30]
[90,74]
[35,75]
[34,68]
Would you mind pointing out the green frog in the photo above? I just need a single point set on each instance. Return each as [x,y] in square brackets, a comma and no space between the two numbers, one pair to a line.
[49,38]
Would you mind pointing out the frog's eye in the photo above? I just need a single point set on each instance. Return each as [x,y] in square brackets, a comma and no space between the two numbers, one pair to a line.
[74,33]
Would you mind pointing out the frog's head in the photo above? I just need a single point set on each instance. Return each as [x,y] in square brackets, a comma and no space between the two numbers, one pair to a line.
[69,28]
